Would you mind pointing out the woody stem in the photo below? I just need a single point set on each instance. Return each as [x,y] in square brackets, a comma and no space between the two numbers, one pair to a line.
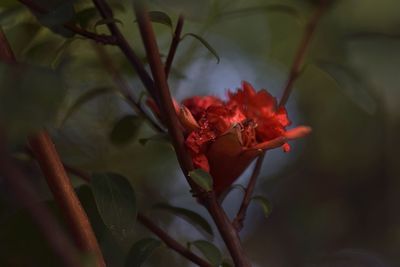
[174,45]
[241,215]
[209,199]
[302,50]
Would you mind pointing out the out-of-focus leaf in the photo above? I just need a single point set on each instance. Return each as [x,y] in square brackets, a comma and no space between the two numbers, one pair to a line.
[205,43]
[265,204]
[160,17]
[278,8]
[226,264]
[125,129]
[84,98]
[29,98]
[8,3]
[351,84]
[202,178]
[57,15]
[107,21]
[116,202]
[163,138]
[84,17]
[188,215]
[141,251]
[210,251]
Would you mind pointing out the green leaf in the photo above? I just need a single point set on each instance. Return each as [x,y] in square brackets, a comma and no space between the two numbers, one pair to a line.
[141,251]
[125,129]
[202,179]
[265,204]
[163,138]
[85,16]
[116,202]
[210,251]
[160,17]
[8,3]
[279,8]
[56,16]
[188,215]
[107,21]
[226,264]
[84,98]
[351,84]
[205,43]
[29,98]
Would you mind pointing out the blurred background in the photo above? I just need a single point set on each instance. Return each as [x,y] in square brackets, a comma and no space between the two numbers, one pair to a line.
[334,197]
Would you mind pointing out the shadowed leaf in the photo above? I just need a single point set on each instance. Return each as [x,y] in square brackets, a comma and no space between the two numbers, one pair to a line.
[84,98]
[351,84]
[116,202]
[160,17]
[125,129]
[107,21]
[29,98]
[202,178]
[265,204]
[188,215]
[205,43]
[210,251]
[278,8]
[141,251]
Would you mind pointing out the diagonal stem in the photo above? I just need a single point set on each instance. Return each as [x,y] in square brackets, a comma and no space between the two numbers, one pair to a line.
[312,24]
[170,242]
[124,87]
[302,50]
[99,38]
[209,199]
[57,179]
[174,45]
[106,13]
[64,194]
[241,215]
[23,192]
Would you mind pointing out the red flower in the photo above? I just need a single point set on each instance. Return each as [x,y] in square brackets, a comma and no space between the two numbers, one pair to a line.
[224,137]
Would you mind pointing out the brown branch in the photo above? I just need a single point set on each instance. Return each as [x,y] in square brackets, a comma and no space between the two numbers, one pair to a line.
[171,242]
[174,45]
[302,50]
[126,49]
[23,192]
[146,222]
[124,88]
[64,194]
[209,200]
[99,38]
[241,215]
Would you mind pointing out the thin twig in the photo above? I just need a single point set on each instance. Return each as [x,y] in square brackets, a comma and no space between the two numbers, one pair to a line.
[146,222]
[294,74]
[58,181]
[99,38]
[171,242]
[209,200]
[174,45]
[302,50]
[23,192]
[64,194]
[106,13]
[241,215]
[124,87]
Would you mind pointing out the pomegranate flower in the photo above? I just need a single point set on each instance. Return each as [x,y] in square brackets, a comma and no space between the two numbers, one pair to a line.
[224,137]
